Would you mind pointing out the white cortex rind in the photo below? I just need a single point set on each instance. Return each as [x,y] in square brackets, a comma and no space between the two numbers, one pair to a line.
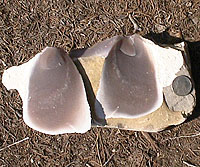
[168,62]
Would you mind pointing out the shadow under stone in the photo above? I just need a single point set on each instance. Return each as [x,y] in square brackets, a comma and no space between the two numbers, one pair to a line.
[93,102]
[194,52]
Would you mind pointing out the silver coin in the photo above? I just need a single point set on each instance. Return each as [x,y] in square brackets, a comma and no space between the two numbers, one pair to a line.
[182,85]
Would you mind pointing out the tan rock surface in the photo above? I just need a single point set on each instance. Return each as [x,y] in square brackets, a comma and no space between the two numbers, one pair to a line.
[156,121]
[93,67]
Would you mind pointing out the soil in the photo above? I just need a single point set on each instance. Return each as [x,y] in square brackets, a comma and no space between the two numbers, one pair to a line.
[26,27]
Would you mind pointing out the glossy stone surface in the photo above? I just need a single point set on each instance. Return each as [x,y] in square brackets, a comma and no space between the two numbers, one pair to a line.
[53,94]
[171,112]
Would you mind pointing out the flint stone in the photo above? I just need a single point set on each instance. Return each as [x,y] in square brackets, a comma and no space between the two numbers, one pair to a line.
[173,111]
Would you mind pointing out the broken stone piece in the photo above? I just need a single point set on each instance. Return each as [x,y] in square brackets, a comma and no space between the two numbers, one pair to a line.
[129,87]
[52,91]
[130,82]
[128,98]
[179,102]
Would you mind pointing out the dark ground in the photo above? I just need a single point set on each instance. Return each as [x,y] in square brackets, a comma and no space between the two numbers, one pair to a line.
[27,27]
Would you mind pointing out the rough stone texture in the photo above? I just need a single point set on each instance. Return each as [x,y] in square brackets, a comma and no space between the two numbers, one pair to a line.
[159,119]
[180,103]
[156,121]
[93,67]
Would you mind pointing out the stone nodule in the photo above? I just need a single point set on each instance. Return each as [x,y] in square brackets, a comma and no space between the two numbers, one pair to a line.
[52,91]
[127,82]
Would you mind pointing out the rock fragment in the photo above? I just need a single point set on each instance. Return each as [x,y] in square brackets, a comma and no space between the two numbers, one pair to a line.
[52,91]
[168,63]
